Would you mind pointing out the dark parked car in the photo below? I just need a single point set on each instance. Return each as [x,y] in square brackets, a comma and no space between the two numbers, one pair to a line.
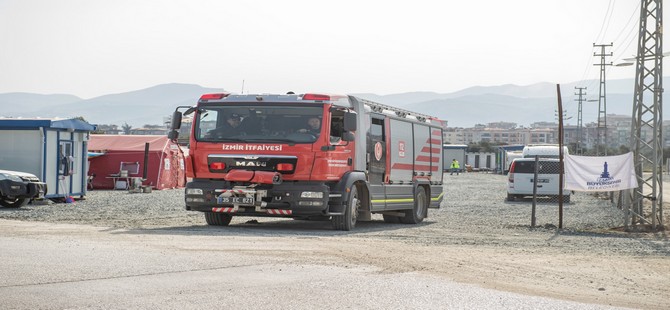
[19,188]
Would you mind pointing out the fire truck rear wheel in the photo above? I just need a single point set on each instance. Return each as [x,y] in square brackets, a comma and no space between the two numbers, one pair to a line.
[391,219]
[347,221]
[418,213]
[218,219]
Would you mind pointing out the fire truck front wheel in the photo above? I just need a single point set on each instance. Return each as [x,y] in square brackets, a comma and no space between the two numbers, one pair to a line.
[418,213]
[347,221]
[218,219]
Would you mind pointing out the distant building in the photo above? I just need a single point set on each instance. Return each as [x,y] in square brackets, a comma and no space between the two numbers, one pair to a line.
[507,133]
[107,130]
[453,136]
[149,131]
[502,125]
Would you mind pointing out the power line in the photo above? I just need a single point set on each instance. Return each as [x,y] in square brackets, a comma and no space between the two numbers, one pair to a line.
[628,38]
[606,21]
[628,29]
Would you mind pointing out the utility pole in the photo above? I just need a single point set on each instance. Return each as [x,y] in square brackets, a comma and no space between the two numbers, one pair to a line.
[647,117]
[580,99]
[602,98]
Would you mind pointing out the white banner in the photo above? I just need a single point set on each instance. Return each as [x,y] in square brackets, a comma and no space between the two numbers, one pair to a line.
[600,173]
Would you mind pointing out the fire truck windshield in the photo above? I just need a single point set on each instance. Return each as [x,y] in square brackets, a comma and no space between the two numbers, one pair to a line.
[258,123]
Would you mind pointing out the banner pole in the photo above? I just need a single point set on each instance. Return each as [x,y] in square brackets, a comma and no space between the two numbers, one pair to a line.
[560,157]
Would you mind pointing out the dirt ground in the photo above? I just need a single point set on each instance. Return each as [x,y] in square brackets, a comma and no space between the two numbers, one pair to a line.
[476,237]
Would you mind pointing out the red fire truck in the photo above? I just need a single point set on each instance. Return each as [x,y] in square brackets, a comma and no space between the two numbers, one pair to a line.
[310,156]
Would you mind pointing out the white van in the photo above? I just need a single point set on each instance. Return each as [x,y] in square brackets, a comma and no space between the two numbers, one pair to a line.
[543,151]
[520,179]
[509,157]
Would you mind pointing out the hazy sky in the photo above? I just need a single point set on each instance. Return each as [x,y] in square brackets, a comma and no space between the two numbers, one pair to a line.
[90,48]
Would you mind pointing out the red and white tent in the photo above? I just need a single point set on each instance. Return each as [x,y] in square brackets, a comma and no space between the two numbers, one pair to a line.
[125,155]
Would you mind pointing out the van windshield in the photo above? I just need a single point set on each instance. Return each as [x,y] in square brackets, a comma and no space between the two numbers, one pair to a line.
[258,124]
[546,167]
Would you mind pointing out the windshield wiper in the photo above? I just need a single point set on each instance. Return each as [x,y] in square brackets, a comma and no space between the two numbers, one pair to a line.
[224,140]
[270,140]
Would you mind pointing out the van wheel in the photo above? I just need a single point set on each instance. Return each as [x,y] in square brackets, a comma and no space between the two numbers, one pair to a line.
[510,197]
[13,203]
[347,221]
[418,213]
[218,219]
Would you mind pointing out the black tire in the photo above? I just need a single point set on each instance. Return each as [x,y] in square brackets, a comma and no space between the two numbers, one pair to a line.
[348,220]
[13,203]
[218,219]
[391,219]
[510,197]
[418,213]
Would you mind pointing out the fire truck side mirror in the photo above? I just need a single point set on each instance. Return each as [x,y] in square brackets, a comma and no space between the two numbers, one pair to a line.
[176,120]
[348,136]
[349,121]
[173,135]
[175,124]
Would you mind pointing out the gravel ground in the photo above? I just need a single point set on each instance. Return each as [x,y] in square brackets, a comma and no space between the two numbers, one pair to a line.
[474,212]
[474,204]
[476,237]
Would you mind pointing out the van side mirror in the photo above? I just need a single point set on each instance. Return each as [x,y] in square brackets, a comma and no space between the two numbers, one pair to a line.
[349,121]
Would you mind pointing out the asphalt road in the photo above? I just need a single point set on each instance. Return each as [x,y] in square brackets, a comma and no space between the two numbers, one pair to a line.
[66,266]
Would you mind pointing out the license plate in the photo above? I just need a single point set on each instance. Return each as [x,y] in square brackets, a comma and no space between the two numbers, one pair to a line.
[248,201]
[540,180]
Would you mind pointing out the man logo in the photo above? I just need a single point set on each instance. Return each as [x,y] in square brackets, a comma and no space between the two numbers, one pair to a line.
[251,164]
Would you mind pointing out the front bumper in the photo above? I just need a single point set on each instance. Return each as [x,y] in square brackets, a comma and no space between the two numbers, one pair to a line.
[286,199]
[12,189]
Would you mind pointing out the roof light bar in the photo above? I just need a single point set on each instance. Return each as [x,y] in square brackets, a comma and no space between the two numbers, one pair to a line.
[214,96]
[316,97]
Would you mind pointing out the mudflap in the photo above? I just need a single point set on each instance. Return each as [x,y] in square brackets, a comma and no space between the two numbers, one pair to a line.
[340,192]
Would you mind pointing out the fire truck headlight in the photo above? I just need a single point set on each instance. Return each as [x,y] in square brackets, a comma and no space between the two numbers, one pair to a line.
[194,191]
[311,195]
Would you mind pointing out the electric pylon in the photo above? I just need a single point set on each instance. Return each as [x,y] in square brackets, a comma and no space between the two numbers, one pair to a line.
[647,209]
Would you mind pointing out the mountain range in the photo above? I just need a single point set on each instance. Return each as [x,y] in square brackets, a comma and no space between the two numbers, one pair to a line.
[523,105]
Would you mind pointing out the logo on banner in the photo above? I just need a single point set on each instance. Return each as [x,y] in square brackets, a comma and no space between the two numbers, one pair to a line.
[604,181]
[605,173]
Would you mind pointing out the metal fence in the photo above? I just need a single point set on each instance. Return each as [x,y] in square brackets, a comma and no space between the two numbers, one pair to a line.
[536,181]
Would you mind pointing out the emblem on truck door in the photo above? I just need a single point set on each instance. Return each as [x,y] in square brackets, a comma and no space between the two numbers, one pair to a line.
[378,151]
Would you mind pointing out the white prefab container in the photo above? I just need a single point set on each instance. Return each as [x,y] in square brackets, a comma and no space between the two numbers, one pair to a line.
[53,150]
[481,161]
[543,151]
